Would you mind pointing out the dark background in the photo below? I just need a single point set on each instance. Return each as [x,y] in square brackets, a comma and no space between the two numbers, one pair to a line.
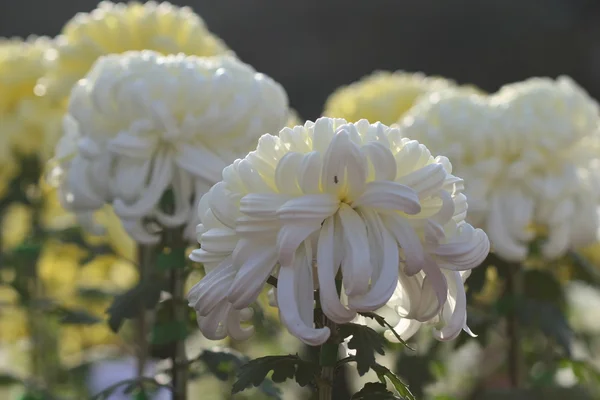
[314,46]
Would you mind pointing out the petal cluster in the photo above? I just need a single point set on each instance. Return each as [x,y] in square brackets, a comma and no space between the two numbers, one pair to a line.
[141,124]
[353,210]
[383,96]
[529,155]
[114,28]
[29,123]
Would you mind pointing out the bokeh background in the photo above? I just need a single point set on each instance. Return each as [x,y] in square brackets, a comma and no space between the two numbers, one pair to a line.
[313,46]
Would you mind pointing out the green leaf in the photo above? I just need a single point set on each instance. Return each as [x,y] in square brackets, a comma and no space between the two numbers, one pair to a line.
[366,342]
[223,363]
[9,379]
[168,332]
[384,372]
[255,371]
[384,324]
[585,372]
[375,391]
[128,305]
[75,316]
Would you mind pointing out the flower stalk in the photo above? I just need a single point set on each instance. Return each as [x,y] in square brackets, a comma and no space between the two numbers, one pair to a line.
[145,264]
[514,290]
[177,275]
[328,355]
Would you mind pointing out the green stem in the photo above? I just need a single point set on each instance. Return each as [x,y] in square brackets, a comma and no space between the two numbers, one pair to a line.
[327,359]
[179,311]
[514,289]
[145,264]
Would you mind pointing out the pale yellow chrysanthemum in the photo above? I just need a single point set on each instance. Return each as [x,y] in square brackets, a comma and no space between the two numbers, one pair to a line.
[16,225]
[116,28]
[27,122]
[382,96]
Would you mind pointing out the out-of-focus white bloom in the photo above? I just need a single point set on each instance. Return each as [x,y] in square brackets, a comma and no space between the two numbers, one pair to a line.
[462,370]
[382,96]
[334,199]
[529,155]
[581,298]
[140,124]
[115,28]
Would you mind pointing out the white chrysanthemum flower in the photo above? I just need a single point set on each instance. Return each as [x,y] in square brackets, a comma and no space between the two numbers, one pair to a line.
[331,199]
[581,298]
[115,28]
[140,124]
[529,156]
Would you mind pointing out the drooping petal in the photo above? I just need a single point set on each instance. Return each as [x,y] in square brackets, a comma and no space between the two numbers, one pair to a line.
[409,241]
[356,263]
[382,286]
[454,324]
[328,264]
[213,288]
[254,262]
[288,302]
[160,179]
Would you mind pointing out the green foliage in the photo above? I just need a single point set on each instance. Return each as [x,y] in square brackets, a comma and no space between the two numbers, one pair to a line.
[384,324]
[384,372]
[9,379]
[127,305]
[136,386]
[225,363]
[375,391]
[583,370]
[77,316]
[254,372]
[366,342]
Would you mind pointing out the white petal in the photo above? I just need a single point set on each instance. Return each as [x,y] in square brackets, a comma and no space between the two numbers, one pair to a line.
[212,289]
[131,145]
[458,318]
[310,173]
[465,251]
[409,242]
[382,159]
[219,240]
[262,205]
[182,187]
[327,267]
[255,262]
[139,232]
[383,285]
[310,207]
[234,328]
[201,162]
[344,167]
[503,243]
[288,298]
[438,282]
[160,179]
[286,173]
[406,328]
[385,195]
[425,181]
[356,264]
